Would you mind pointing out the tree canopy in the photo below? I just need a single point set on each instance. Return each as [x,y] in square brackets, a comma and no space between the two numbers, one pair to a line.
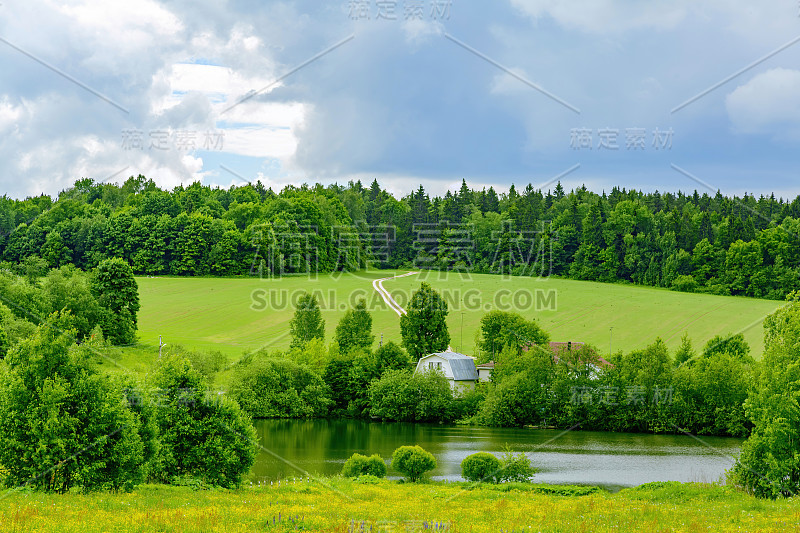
[424,326]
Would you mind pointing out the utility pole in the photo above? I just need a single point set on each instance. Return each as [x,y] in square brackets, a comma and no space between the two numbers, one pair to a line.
[381,343]
[160,345]
[610,338]
[462,331]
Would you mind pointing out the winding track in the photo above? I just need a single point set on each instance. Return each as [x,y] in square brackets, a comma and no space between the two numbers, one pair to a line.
[378,286]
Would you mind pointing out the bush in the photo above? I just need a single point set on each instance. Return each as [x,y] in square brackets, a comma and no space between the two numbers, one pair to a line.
[413,462]
[62,425]
[480,467]
[411,397]
[207,363]
[360,465]
[279,388]
[684,284]
[515,467]
[209,440]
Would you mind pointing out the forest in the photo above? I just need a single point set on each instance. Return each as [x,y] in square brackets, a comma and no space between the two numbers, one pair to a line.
[688,242]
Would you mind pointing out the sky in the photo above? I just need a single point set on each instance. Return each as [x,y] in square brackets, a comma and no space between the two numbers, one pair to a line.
[651,95]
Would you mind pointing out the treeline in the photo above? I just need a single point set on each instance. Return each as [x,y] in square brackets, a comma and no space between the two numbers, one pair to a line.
[690,242]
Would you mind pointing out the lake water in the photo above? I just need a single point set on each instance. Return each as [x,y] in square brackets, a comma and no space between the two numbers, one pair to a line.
[611,460]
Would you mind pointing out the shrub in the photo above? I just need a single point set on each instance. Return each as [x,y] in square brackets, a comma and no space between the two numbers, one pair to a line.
[515,467]
[360,465]
[480,467]
[62,425]
[411,397]
[279,388]
[207,363]
[684,284]
[209,440]
[413,462]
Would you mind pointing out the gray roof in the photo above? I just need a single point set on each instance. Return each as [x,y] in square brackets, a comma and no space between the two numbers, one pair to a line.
[463,366]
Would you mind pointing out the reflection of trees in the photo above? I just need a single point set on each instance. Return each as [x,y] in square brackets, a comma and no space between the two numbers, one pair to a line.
[321,446]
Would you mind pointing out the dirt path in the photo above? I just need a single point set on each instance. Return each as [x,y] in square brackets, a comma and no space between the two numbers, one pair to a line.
[378,286]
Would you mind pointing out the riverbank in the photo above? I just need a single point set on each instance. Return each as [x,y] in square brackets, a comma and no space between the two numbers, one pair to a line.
[336,504]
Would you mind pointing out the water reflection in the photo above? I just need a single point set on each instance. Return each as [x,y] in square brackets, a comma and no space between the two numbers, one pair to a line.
[611,460]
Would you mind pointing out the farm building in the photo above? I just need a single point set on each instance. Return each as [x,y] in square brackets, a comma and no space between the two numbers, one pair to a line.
[459,369]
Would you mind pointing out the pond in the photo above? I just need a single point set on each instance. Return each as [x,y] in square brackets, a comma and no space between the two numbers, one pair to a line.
[610,460]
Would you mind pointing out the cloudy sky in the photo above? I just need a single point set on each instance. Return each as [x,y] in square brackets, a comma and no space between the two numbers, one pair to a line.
[642,94]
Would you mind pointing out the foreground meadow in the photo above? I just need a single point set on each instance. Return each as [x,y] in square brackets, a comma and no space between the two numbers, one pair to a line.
[345,506]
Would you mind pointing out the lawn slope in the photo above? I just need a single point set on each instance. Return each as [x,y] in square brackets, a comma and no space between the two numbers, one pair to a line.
[238,315]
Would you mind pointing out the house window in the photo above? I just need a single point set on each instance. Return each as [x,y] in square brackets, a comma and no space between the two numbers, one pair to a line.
[438,366]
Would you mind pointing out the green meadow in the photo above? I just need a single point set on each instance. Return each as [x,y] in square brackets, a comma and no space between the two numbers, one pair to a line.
[341,505]
[236,315]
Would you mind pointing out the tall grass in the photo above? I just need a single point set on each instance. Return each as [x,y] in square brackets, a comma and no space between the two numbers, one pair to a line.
[347,506]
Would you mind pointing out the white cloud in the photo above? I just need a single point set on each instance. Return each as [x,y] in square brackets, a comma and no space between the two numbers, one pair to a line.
[768,103]
[9,116]
[605,16]
[418,32]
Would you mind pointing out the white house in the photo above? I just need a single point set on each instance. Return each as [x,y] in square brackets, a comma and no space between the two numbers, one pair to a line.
[459,369]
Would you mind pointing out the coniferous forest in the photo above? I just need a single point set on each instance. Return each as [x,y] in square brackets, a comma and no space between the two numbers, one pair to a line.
[685,241]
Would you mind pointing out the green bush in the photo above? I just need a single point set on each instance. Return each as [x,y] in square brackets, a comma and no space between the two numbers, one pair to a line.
[204,437]
[360,465]
[279,388]
[406,396]
[62,425]
[684,284]
[515,467]
[480,467]
[413,462]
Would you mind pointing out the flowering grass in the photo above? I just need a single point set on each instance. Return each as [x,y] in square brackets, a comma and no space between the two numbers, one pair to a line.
[348,506]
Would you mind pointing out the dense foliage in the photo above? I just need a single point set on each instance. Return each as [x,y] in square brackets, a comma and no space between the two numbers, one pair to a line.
[413,462]
[361,465]
[411,397]
[279,388]
[354,330]
[690,242]
[118,294]
[104,301]
[307,323]
[640,391]
[481,467]
[501,328]
[424,326]
[769,465]
[204,436]
[61,424]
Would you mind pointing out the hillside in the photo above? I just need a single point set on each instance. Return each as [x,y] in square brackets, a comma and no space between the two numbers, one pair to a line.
[208,313]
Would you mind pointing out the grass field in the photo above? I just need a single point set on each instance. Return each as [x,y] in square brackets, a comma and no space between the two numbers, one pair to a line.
[238,315]
[344,506]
